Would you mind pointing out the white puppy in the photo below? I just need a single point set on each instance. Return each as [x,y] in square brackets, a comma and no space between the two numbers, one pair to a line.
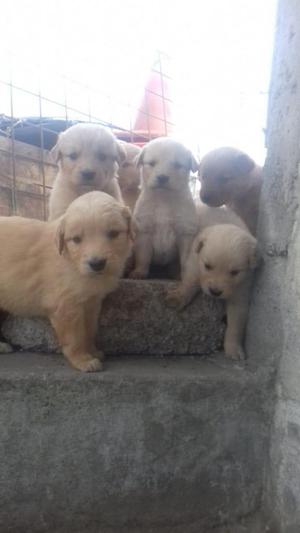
[165,212]
[88,156]
[221,262]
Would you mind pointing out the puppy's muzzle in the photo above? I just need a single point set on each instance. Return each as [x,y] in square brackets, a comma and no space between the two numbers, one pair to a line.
[162,180]
[96,264]
[206,198]
[87,175]
[209,199]
[215,292]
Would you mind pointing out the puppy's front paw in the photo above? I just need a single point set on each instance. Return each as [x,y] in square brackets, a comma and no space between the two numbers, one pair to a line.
[5,347]
[174,298]
[99,354]
[91,364]
[137,274]
[234,351]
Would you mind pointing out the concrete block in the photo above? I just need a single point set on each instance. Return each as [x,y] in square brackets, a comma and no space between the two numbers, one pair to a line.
[150,445]
[136,321]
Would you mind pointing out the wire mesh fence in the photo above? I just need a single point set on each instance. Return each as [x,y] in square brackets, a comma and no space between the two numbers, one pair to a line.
[37,106]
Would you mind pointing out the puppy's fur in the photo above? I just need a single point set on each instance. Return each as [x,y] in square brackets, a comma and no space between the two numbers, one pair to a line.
[88,156]
[229,176]
[63,269]
[165,212]
[221,262]
[210,216]
[129,175]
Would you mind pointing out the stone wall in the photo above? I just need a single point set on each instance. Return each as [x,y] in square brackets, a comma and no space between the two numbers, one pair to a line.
[274,325]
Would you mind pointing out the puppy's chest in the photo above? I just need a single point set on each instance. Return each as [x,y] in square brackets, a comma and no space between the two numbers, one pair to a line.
[166,228]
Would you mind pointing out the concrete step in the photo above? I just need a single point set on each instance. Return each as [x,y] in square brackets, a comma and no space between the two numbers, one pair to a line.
[136,321]
[164,445]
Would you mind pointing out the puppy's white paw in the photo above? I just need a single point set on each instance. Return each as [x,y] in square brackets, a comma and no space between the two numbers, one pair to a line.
[88,365]
[137,274]
[235,351]
[5,347]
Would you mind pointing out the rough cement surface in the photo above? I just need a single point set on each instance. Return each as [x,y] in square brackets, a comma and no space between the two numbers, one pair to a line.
[136,320]
[150,445]
[273,332]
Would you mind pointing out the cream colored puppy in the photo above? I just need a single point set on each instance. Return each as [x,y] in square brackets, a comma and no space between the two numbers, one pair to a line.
[88,156]
[129,175]
[229,176]
[63,270]
[221,263]
[165,212]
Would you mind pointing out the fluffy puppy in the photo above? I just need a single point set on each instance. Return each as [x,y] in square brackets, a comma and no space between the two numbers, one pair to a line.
[165,212]
[129,175]
[229,176]
[221,263]
[88,156]
[63,270]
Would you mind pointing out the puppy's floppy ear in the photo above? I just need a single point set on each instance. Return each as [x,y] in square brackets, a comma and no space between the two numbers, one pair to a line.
[60,236]
[132,227]
[243,163]
[198,244]
[193,163]
[55,151]
[121,153]
[255,257]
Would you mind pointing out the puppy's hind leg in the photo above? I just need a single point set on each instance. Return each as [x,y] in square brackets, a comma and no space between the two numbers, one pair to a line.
[143,252]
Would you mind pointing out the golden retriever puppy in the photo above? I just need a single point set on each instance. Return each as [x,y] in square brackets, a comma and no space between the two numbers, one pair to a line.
[88,156]
[129,175]
[230,177]
[63,270]
[221,263]
[165,212]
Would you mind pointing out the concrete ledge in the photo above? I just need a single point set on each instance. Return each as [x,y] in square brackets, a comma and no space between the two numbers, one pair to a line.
[150,445]
[136,320]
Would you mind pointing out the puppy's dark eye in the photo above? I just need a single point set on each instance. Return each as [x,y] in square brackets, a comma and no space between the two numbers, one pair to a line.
[113,234]
[234,272]
[208,266]
[73,156]
[76,239]
[151,163]
[101,156]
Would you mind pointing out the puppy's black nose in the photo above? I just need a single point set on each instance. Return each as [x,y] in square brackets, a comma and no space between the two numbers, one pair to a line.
[215,292]
[162,179]
[88,175]
[97,264]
